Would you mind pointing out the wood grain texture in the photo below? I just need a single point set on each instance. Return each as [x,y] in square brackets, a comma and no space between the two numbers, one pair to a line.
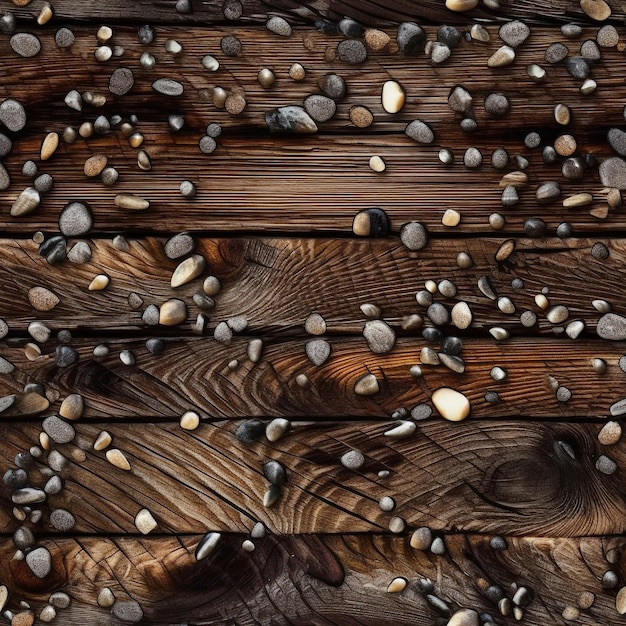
[497,477]
[306,580]
[194,374]
[277,283]
[254,181]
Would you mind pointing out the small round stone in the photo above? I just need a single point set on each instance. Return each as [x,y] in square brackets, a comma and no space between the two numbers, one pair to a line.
[25,44]
[534,227]
[39,561]
[64,38]
[297,72]
[266,78]
[353,459]
[420,131]
[62,520]
[320,108]
[555,53]
[371,223]
[451,218]
[76,219]
[414,235]
[352,51]
[496,104]
[600,251]
[361,116]
[279,25]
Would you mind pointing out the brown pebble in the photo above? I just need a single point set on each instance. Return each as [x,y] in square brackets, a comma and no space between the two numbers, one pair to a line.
[565,145]
[118,459]
[95,164]
[610,433]
[505,250]
[376,40]
[42,299]
[597,10]
[361,116]
[49,145]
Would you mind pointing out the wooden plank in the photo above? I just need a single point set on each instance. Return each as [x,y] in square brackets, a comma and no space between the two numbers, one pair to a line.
[200,374]
[330,172]
[277,282]
[316,580]
[497,477]
[369,12]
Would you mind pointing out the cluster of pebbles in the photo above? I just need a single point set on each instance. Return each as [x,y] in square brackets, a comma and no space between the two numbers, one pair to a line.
[37,475]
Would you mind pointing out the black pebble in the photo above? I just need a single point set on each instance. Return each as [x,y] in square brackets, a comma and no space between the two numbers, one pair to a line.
[145,34]
[431,334]
[564,230]
[378,223]
[24,460]
[155,346]
[250,431]
[451,346]
[328,28]
[449,35]
[15,478]
[578,67]
[534,227]
[54,249]
[65,356]
[599,251]
[275,473]
[573,168]
[64,336]
[351,28]
[411,38]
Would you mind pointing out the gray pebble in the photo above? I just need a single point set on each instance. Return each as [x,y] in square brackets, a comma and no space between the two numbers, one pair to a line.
[43,183]
[448,35]
[318,351]
[80,252]
[549,155]
[145,34]
[589,50]
[279,25]
[563,394]
[237,323]
[56,461]
[207,145]
[499,158]
[571,31]
[58,429]
[350,27]
[534,227]
[62,520]
[155,345]
[548,192]
[610,580]
[606,465]
[484,284]
[451,345]
[15,478]
[353,459]
[421,412]
[320,108]
[438,314]
[65,356]
[39,561]
[223,333]
[612,326]
[469,125]
[290,119]
[573,168]
[334,86]
[23,538]
[555,53]
[607,36]
[53,486]
[5,147]
[453,363]
[76,219]
[7,23]
[258,531]
[64,38]
[25,44]
[472,158]
[5,178]
[380,336]
[230,45]
[420,131]
[414,235]
[514,33]
[179,245]
[510,197]
[460,100]
[6,402]
[532,140]
[275,473]
[498,543]
[53,249]
[613,172]
[168,87]
[127,611]
[599,251]
[578,67]
[6,367]
[617,140]
[496,104]
[438,546]
[59,599]
[250,431]
[439,53]
[151,315]
[12,115]
[411,38]
[352,51]
[121,81]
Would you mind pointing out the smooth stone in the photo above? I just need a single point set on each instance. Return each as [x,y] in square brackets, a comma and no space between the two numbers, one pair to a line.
[571,31]
[334,86]
[23,538]
[438,546]
[440,53]
[172,312]
[502,57]
[187,270]
[58,429]
[555,53]
[613,172]
[472,158]
[448,35]
[438,314]
[47,614]
[610,433]
[106,599]
[428,356]
[451,404]
[168,87]
[223,333]
[411,38]
[353,459]
[315,324]
[620,601]
[397,585]
[275,473]
[42,299]
[118,459]
[258,531]
[461,5]
[54,249]
[403,429]
[279,26]
[320,108]
[317,351]
[53,486]
[28,200]
[62,520]
[250,431]
[590,50]
[453,363]
[290,119]
[207,545]
[393,96]
[352,51]
[277,429]
[460,100]
[65,356]
[28,495]
[414,236]
[237,323]
[12,115]
[5,145]
[612,326]
[557,314]
[56,461]
[6,402]
[366,385]
[617,140]
[39,562]
[103,441]
[605,465]
[131,202]
[75,219]
[127,611]
[578,67]
[79,253]
[607,36]
[371,223]
[179,245]
[380,336]
[145,522]
[496,104]
[464,617]
[514,33]
[72,407]
[421,538]
[255,350]
[461,315]
[574,329]
[597,10]
[420,131]
[271,496]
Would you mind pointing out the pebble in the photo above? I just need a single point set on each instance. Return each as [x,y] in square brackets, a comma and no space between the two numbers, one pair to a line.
[617,140]
[377,164]
[352,51]
[590,50]
[411,38]
[75,220]
[380,336]
[366,385]
[393,96]
[571,31]
[361,116]
[461,5]
[574,329]
[106,599]
[502,57]
[207,545]
[607,36]
[438,546]
[451,218]
[440,53]
[453,363]
[42,299]
[421,538]
[168,87]
[275,473]
[145,522]
[460,100]
[127,611]
[172,312]
[620,601]
[223,333]
[277,429]
[25,44]
[62,520]
[131,202]
[250,431]
[376,39]
[496,104]
[258,531]
[464,617]
[420,131]
[64,38]
[609,579]
[23,538]
[461,315]
[317,351]
[103,441]
[53,486]
[613,173]
[555,53]
[397,585]
[451,404]
[56,461]
[279,26]
[179,245]
[47,614]
[28,200]
[118,459]
[514,33]
[403,429]
[438,314]
[597,10]
[255,350]
[370,223]
[578,67]
[334,86]
[612,326]
[79,253]
[39,561]
[557,314]
[397,525]
[605,465]
[472,158]
[12,115]
[290,119]
[190,420]
[448,35]
[58,429]
[187,270]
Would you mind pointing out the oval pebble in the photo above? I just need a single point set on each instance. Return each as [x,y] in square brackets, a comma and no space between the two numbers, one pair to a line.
[414,235]
[121,81]
[420,131]
[168,87]
[25,44]
[76,219]
[451,404]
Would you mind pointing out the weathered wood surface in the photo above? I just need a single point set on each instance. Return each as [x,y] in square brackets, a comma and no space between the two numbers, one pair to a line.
[498,477]
[257,182]
[318,579]
[278,283]
[196,374]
